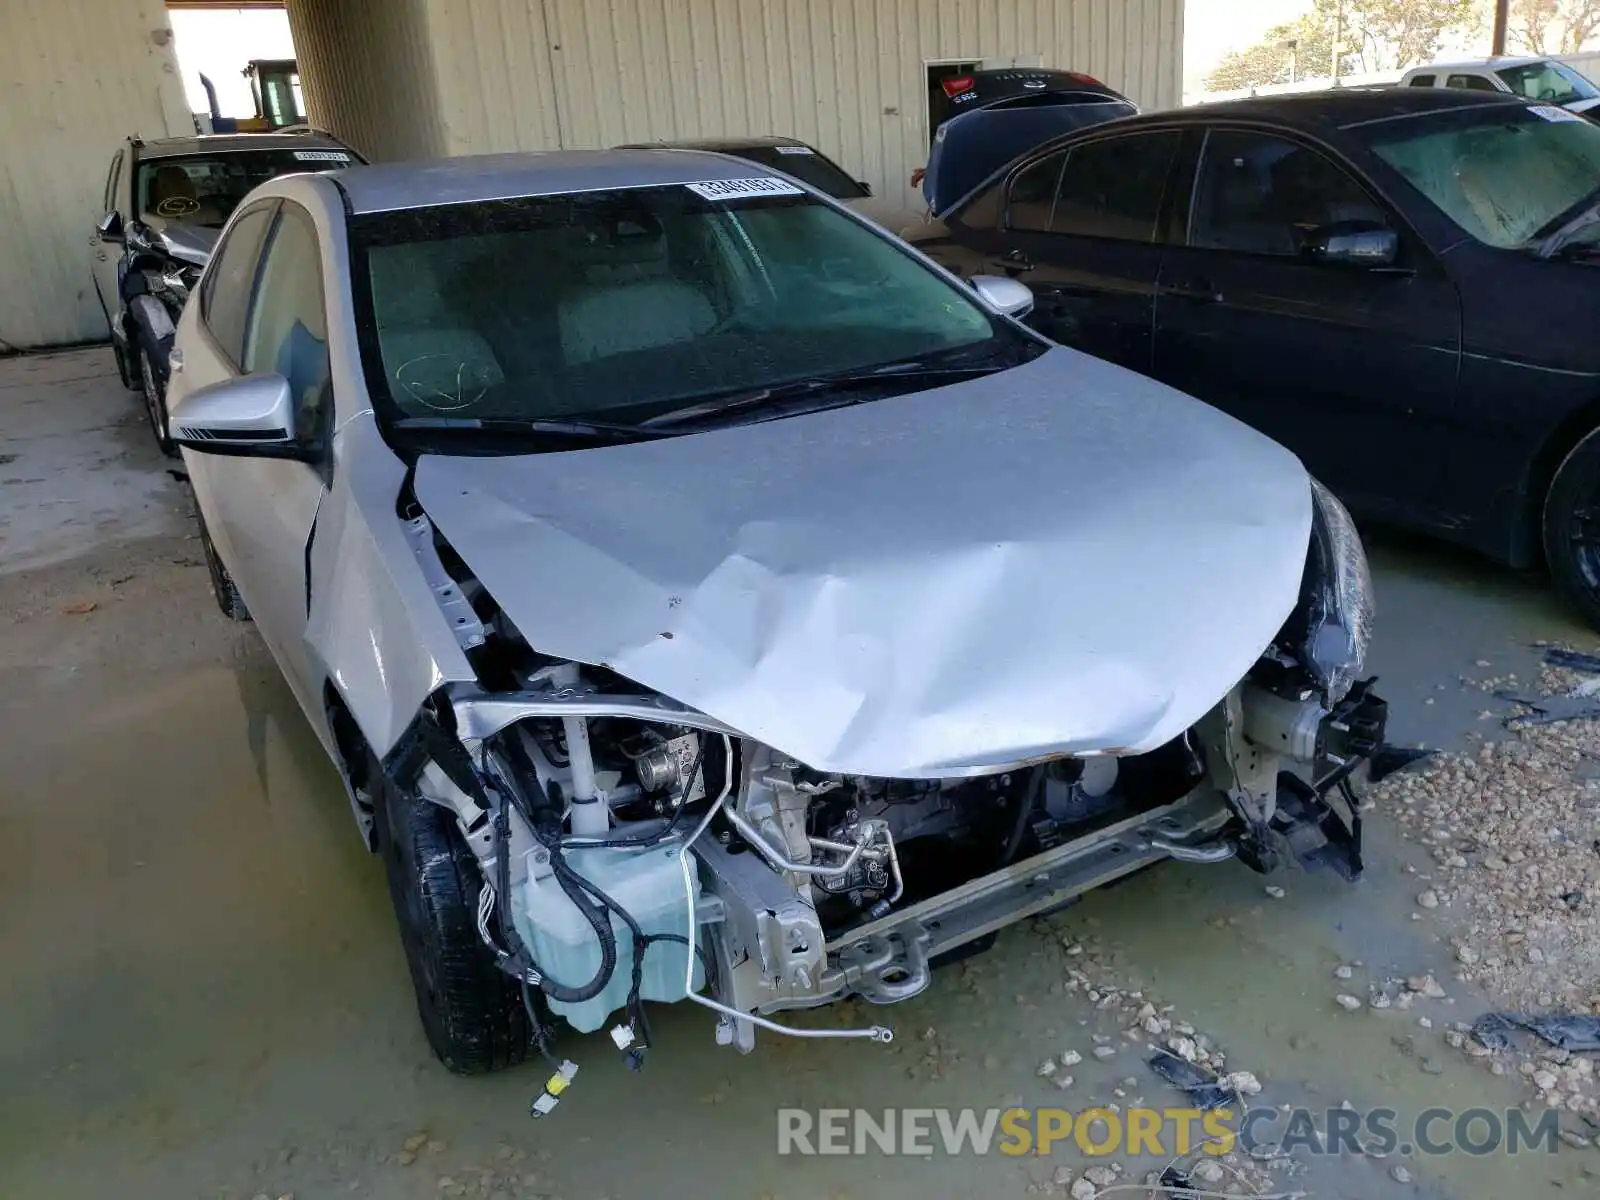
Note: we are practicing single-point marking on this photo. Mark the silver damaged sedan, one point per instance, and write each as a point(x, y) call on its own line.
point(706, 598)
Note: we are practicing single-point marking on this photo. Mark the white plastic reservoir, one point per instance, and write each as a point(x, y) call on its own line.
point(649, 884)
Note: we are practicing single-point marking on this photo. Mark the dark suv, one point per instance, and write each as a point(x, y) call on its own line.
point(165, 203)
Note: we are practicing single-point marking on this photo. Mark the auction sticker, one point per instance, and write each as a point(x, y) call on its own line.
point(1552, 113)
point(321, 156)
point(742, 189)
point(795, 150)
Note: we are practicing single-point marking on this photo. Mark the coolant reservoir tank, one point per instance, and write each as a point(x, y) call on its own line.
point(649, 884)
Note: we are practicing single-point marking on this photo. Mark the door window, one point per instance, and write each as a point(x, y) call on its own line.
point(1033, 194)
point(288, 326)
point(1472, 83)
point(1112, 188)
point(1423, 80)
point(225, 292)
point(1259, 194)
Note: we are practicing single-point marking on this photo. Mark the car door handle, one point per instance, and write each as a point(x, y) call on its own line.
point(1015, 262)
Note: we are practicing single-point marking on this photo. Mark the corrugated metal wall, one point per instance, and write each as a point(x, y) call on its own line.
point(79, 76)
point(368, 72)
point(844, 74)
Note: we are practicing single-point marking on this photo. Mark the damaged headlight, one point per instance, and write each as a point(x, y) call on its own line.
point(1336, 598)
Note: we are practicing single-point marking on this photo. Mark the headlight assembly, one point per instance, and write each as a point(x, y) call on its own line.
point(1337, 595)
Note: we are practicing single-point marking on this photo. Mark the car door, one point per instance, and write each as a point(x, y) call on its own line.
point(266, 508)
point(1352, 368)
point(106, 256)
point(1079, 225)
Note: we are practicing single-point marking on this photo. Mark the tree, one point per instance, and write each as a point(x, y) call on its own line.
point(1552, 26)
point(1373, 35)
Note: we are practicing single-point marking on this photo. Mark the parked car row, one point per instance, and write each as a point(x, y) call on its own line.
point(707, 596)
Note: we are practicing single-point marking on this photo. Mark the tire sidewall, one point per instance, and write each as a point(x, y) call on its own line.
point(1576, 482)
point(153, 372)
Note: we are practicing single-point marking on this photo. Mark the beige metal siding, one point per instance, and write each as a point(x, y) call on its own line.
point(79, 75)
point(846, 75)
point(368, 72)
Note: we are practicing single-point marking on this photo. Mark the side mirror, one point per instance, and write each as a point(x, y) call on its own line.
point(1008, 297)
point(1355, 244)
point(866, 188)
point(252, 416)
point(109, 227)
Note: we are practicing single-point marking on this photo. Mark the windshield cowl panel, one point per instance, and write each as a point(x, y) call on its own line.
point(616, 307)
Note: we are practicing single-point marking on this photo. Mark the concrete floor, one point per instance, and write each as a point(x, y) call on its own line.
point(204, 995)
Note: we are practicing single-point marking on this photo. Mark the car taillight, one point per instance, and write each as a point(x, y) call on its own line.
point(961, 83)
point(1080, 77)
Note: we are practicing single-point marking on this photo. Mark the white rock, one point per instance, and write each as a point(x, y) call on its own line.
point(1428, 899)
point(1183, 1047)
point(1466, 956)
point(1207, 1171)
point(1347, 1002)
point(1343, 972)
point(1082, 1189)
point(1104, 1052)
point(1544, 1080)
point(1276, 892)
point(1399, 1174)
point(1047, 1067)
point(1061, 1176)
point(1070, 1058)
point(1244, 1082)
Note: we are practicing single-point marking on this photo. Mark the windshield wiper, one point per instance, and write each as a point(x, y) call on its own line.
point(1552, 245)
point(555, 429)
point(756, 398)
point(1550, 236)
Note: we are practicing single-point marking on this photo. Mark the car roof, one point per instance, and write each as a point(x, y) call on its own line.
point(400, 185)
point(731, 145)
point(1516, 60)
point(1336, 108)
point(232, 143)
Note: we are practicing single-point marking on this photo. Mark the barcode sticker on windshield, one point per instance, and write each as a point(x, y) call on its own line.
point(1551, 113)
point(742, 189)
point(321, 156)
point(795, 150)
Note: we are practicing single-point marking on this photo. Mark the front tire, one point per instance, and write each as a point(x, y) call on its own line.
point(1572, 527)
point(222, 586)
point(153, 384)
point(471, 1010)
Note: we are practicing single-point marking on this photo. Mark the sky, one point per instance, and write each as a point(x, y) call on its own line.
point(218, 44)
point(1213, 27)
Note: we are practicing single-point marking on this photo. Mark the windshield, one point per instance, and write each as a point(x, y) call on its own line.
point(1505, 175)
point(1551, 82)
point(204, 189)
point(638, 301)
point(806, 165)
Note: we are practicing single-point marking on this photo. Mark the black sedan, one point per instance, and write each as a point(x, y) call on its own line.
point(1400, 285)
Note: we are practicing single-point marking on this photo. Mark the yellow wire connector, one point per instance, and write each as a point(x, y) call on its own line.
point(558, 1083)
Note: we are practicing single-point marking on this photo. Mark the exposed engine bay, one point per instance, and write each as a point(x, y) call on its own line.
point(633, 848)
point(636, 850)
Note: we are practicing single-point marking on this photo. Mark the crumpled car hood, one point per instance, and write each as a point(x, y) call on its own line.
point(1057, 559)
point(191, 243)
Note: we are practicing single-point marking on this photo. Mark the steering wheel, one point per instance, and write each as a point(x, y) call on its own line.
point(177, 206)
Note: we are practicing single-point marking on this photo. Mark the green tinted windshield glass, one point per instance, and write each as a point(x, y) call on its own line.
point(1504, 175)
point(554, 306)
